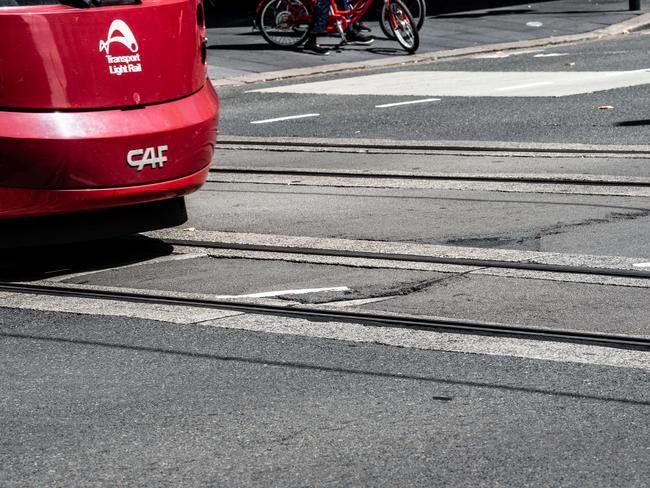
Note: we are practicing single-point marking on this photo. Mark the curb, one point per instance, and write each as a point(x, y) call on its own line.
point(624, 27)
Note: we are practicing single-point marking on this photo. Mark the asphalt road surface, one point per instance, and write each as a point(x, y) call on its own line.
point(525, 215)
point(105, 401)
point(465, 99)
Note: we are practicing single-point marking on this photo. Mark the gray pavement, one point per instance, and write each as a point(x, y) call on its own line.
point(537, 222)
point(465, 115)
point(102, 392)
point(111, 401)
point(236, 51)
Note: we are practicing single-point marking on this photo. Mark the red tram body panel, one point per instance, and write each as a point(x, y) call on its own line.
point(102, 106)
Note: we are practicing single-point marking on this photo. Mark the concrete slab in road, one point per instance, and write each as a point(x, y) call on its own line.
point(472, 84)
point(392, 161)
point(537, 222)
point(243, 278)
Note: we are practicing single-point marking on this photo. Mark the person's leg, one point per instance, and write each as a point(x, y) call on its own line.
point(357, 26)
point(321, 13)
point(318, 25)
point(353, 34)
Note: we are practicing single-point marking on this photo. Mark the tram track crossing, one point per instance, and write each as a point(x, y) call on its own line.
point(552, 177)
point(331, 313)
point(587, 180)
point(411, 258)
point(400, 146)
point(324, 314)
point(327, 314)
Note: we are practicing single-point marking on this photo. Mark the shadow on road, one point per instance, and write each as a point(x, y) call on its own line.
point(633, 123)
point(38, 263)
point(304, 366)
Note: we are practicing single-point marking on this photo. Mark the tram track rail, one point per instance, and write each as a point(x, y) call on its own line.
point(390, 146)
point(323, 314)
point(413, 258)
point(574, 180)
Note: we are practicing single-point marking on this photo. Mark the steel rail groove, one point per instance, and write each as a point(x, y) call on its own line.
point(236, 142)
point(479, 263)
point(432, 177)
point(327, 315)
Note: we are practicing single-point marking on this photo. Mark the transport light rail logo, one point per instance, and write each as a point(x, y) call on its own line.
point(119, 32)
point(151, 156)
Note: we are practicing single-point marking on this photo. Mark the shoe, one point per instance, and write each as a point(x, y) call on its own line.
point(361, 27)
point(313, 46)
point(358, 38)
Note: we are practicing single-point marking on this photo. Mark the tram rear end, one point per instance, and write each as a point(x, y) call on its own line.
point(107, 118)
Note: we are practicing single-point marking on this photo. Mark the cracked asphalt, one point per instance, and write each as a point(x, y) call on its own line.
point(533, 221)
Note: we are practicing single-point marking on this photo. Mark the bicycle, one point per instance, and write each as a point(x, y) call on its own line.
point(285, 23)
point(417, 9)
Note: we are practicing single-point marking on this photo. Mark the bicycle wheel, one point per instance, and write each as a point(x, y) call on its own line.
point(417, 9)
point(403, 26)
point(284, 23)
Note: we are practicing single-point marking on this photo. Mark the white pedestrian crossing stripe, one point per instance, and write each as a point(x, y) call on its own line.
point(472, 83)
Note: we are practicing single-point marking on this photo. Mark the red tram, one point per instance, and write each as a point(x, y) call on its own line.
point(107, 117)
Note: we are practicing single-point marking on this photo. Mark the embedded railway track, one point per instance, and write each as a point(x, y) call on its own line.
point(399, 146)
point(628, 182)
point(519, 180)
point(413, 258)
point(329, 314)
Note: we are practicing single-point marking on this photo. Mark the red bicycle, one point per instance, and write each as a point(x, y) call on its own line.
point(285, 23)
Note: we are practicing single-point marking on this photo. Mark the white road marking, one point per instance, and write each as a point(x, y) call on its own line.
point(412, 102)
point(534, 24)
point(270, 294)
point(642, 265)
point(501, 54)
point(528, 85)
point(280, 119)
point(427, 84)
point(550, 55)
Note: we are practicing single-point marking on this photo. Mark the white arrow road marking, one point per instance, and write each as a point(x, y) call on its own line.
point(280, 119)
point(412, 102)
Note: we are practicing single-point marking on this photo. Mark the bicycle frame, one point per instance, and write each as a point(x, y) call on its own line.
point(339, 19)
point(286, 23)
